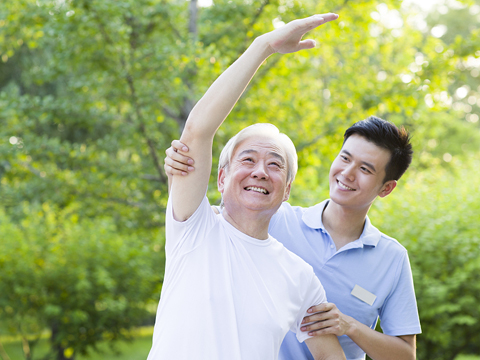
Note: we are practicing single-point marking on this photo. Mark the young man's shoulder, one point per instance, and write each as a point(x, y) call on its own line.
point(288, 208)
point(391, 242)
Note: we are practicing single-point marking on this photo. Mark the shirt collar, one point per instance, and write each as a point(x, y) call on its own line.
point(312, 217)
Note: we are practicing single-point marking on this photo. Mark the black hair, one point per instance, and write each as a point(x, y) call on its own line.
point(388, 136)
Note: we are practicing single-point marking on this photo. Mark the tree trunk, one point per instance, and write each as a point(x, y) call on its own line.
point(57, 348)
point(3, 353)
point(26, 348)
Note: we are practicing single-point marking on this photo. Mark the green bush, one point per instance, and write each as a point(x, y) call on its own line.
point(435, 214)
point(81, 279)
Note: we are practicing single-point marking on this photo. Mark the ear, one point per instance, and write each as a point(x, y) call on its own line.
point(387, 188)
point(221, 180)
point(287, 192)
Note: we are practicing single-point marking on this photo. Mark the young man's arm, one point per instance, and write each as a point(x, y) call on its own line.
point(208, 114)
point(328, 320)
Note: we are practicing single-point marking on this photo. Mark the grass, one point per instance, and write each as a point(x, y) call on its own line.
point(135, 350)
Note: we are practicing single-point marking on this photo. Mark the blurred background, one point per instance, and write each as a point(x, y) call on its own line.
point(93, 91)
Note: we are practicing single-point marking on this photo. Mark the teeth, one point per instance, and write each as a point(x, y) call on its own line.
point(343, 186)
point(256, 189)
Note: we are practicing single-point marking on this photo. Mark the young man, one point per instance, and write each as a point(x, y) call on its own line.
point(231, 291)
point(365, 273)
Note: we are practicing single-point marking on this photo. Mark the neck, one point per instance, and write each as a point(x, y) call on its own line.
point(343, 224)
point(253, 224)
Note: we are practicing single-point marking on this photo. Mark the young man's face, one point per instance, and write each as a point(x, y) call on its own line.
point(357, 174)
point(256, 176)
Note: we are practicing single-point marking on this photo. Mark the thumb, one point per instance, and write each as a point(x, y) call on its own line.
point(306, 44)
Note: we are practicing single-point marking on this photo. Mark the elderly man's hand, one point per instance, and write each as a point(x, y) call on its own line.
point(288, 38)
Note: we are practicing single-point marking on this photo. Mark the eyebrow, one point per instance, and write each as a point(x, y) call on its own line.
point(370, 165)
point(272, 153)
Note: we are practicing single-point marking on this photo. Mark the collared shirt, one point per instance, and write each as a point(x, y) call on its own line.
point(375, 265)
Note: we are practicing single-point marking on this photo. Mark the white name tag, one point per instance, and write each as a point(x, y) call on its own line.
point(364, 295)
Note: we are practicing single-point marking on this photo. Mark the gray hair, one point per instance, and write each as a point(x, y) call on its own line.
point(268, 130)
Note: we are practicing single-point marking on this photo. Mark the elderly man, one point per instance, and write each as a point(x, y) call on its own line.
point(231, 291)
point(365, 273)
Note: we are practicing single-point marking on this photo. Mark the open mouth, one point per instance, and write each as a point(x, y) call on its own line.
point(257, 189)
point(343, 186)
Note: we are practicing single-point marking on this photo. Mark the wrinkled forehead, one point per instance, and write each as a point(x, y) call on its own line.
point(265, 145)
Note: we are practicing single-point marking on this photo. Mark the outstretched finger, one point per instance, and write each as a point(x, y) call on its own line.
point(316, 20)
point(328, 17)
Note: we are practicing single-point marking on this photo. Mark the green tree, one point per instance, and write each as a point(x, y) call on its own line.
point(92, 91)
point(436, 217)
point(79, 278)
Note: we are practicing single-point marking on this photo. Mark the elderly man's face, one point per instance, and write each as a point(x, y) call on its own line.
point(256, 176)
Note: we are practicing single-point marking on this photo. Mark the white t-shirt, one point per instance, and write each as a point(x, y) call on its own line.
point(227, 295)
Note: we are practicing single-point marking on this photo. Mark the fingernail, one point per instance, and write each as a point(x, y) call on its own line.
point(184, 148)
point(190, 161)
point(184, 173)
point(309, 310)
point(191, 168)
point(303, 328)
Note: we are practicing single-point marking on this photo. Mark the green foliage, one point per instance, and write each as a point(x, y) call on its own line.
point(435, 215)
point(80, 278)
point(93, 91)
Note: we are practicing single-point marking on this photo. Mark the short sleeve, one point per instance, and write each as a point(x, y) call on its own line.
point(184, 236)
point(315, 295)
point(399, 314)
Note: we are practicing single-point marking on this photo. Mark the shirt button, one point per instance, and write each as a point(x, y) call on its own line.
point(332, 246)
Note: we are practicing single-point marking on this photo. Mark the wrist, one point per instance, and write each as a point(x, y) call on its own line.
point(352, 328)
point(264, 46)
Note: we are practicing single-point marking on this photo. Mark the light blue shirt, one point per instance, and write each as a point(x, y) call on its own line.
point(375, 262)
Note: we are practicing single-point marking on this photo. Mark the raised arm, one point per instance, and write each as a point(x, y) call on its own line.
point(211, 110)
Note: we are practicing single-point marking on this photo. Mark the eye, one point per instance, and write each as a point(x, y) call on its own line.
point(274, 163)
point(344, 158)
point(365, 169)
point(247, 159)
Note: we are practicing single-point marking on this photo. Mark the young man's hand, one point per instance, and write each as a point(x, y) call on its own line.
point(327, 319)
point(176, 163)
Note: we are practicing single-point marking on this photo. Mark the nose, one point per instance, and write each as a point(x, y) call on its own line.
point(260, 171)
point(348, 173)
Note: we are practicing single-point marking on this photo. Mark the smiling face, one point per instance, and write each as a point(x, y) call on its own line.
point(357, 174)
point(256, 177)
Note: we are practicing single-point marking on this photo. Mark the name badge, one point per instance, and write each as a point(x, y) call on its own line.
point(364, 295)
